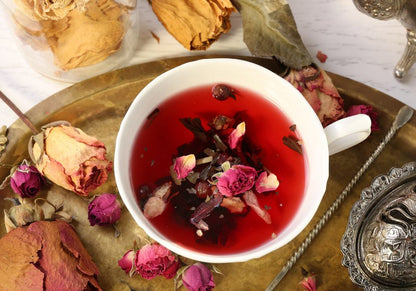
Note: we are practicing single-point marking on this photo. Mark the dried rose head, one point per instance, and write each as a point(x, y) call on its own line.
point(46, 255)
point(104, 210)
point(236, 180)
point(70, 158)
point(26, 181)
point(320, 92)
point(198, 277)
point(153, 260)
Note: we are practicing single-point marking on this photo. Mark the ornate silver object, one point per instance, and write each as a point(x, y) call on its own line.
point(379, 244)
point(405, 12)
point(403, 116)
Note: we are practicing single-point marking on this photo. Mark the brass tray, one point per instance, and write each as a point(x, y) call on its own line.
point(98, 105)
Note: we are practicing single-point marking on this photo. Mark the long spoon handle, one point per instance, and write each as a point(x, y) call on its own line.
point(403, 116)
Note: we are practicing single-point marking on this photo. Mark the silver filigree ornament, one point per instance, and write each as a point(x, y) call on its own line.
point(379, 243)
point(405, 12)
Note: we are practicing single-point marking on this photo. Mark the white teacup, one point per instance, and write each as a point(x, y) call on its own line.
point(318, 143)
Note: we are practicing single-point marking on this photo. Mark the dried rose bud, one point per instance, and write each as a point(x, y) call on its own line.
point(183, 165)
point(46, 255)
point(308, 283)
point(127, 262)
point(236, 135)
point(266, 182)
point(104, 210)
point(153, 260)
point(222, 92)
point(70, 158)
point(198, 277)
point(365, 109)
point(26, 181)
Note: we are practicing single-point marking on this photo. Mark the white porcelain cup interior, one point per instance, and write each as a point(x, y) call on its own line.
point(242, 74)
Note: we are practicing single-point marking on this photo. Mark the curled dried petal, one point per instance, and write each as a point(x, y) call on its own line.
point(236, 135)
point(183, 165)
point(266, 182)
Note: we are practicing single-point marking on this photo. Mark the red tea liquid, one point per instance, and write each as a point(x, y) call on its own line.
point(156, 147)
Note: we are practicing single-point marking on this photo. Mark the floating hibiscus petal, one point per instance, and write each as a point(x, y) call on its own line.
point(184, 165)
point(266, 182)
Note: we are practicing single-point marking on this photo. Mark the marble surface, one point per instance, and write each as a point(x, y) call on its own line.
point(358, 47)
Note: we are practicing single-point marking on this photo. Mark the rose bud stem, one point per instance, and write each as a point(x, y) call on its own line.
point(19, 113)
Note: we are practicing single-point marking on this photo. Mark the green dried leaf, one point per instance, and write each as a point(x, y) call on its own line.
point(270, 30)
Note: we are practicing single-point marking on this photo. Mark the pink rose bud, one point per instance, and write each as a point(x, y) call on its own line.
point(236, 135)
point(309, 282)
point(266, 182)
point(184, 165)
point(26, 181)
point(70, 158)
point(153, 260)
point(104, 210)
point(236, 180)
point(198, 277)
point(364, 109)
point(127, 261)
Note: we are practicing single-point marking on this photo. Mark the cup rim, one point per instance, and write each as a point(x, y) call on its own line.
point(127, 194)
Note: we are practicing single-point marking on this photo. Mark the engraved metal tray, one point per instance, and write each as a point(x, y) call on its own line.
point(98, 105)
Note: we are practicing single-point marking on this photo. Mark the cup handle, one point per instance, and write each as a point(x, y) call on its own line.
point(347, 132)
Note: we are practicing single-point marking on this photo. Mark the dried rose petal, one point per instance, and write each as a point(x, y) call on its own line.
point(321, 56)
point(154, 259)
point(46, 255)
point(236, 135)
point(183, 165)
point(251, 200)
point(266, 182)
point(234, 204)
point(127, 261)
point(26, 181)
point(104, 210)
point(236, 180)
point(365, 109)
point(70, 158)
point(198, 277)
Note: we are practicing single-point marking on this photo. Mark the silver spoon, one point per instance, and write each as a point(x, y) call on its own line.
point(403, 116)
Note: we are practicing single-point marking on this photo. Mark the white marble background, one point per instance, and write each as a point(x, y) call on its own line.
point(358, 47)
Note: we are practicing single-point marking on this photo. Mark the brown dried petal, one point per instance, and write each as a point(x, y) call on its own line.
point(196, 24)
point(45, 255)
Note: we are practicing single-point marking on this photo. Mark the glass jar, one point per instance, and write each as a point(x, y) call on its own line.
point(72, 40)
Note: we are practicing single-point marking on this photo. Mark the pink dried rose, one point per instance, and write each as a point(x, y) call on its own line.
point(153, 260)
point(26, 181)
point(197, 278)
point(183, 165)
point(70, 158)
point(236, 135)
point(236, 180)
point(127, 262)
point(104, 210)
point(308, 283)
point(266, 182)
point(46, 255)
point(365, 109)
point(317, 88)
